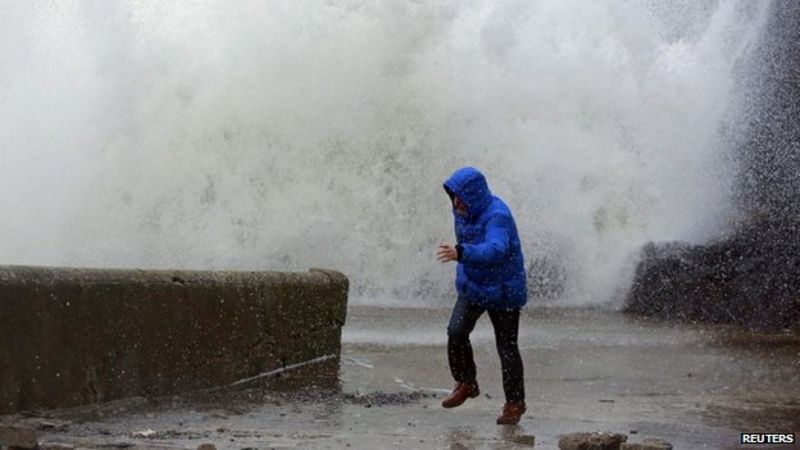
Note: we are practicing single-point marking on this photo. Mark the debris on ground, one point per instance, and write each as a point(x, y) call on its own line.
point(592, 441)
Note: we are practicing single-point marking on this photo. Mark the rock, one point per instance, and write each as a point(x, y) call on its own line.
point(592, 441)
point(54, 446)
point(40, 424)
point(11, 436)
point(148, 433)
point(206, 447)
point(648, 444)
point(746, 280)
point(750, 275)
point(524, 440)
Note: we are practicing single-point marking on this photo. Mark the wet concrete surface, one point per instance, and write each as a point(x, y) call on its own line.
point(696, 386)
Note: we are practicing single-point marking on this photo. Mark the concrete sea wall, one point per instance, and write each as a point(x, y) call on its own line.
point(77, 336)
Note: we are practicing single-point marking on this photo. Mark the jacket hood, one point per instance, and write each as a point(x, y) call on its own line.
point(469, 184)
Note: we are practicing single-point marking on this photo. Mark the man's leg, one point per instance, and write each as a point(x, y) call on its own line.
point(459, 349)
point(459, 353)
point(506, 330)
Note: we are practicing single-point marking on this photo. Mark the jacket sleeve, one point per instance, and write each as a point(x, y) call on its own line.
point(494, 247)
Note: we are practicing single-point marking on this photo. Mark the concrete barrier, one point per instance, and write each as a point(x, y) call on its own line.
point(77, 336)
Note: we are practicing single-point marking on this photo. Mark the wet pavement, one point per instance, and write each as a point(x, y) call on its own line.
point(696, 386)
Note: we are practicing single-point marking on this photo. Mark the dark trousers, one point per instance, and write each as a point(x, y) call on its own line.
point(506, 329)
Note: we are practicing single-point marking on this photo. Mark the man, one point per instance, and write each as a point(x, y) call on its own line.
point(490, 276)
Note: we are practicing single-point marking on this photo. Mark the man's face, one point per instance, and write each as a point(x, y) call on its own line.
point(461, 208)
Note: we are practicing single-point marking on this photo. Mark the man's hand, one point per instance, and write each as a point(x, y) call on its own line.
point(447, 253)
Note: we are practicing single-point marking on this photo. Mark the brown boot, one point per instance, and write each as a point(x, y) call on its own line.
point(512, 412)
point(460, 394)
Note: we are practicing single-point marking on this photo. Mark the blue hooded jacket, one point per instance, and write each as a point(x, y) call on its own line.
point(491, 269)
